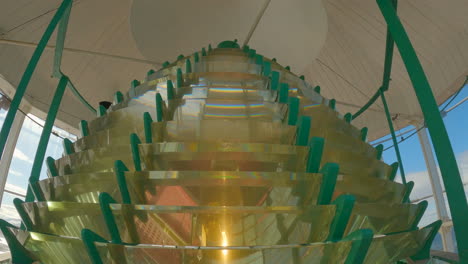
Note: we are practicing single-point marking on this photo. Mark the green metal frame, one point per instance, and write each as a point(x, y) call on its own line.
point(443, 148)
point(105, 200)
point(344, 207)
point(24, 82)
point(19, 254)
point(394, 138)
point(45, 136)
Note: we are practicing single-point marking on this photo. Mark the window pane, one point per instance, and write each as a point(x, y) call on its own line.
point(25, 151)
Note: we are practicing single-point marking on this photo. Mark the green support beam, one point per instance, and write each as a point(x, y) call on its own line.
point(104, 203)
point(134, 142)
point(84, 128)
point(394, 138)
point(315, 154)
point(330, 173)
point(26, 78)
point(119, 170)
point(443, 148)
point(147, 121)
point(45, 136)
point(344, 207)
point(19, 254)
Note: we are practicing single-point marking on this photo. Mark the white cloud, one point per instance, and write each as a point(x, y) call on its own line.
point(15, 173)
point(20, 155)
point(422, 184)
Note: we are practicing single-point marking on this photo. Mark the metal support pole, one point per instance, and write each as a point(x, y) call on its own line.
point(443, 148)
point(9, 150)
point(45, 136)
point(394, 139)
point(447, 238)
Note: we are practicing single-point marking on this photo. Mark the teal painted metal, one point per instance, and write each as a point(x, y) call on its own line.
point(165, 64)
point(317, 89)
point(209, 47)
point(101, 111)
point(315, 154)
point(104, 203)
point(332, 104)
point(446, 158)
point(119, 170)
point(50, 163)
point(188, 66)
point(149, 73)
point(24, 82)
point(303, 130)
point(425, 251)
point(379, 149)
point(367, 105)
point(274, 59)
point(394, 138)
point(422, 208)
point(409, 188)
point(23, 214)
point(118, 97)
point(89, 238)
point(181, 56)
point(288, 68)
point(302, 77)
point(19, 254)
point(266, 70)
point(68, 147)
point(389, 46)
point(134, 84)
point(180, 79)
point(246, 48)
point(258, 59)
point(344, 207)
point(147, 121)
point(134, 142)
point(60, 42)
point(56, 71)
point(45, 135)
point(293, 110)
point(348, 117)
point(170, 90)
point(203, 52)
point(159, 108)
point(274, 83)
point(361, 242)
point(228, 44)
point(364, 132)
point(283, 93)
point(394, 171)
point(252, 53)
point(196, 57)
point(84, 128)
point(327, 188)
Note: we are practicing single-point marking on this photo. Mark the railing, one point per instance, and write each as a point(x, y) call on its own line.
point(395, 35)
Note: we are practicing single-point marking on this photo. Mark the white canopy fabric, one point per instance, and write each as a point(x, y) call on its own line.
point(337, 44)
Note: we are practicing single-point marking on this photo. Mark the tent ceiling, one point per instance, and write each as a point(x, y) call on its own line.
point(337, 44)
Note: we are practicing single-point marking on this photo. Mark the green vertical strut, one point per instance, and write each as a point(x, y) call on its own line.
point(394, 139)
point(61, 34)
point(23, 84)
point(118, 97)
point(42, 147)
point(84, 128)
point(446, 158)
